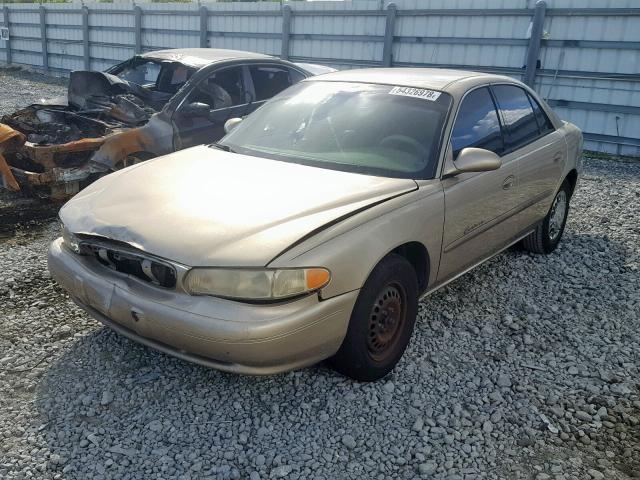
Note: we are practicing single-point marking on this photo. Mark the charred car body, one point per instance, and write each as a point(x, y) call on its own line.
point(147, 106)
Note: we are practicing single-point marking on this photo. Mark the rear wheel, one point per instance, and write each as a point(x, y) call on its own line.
point(548, 233)
point(381, 322)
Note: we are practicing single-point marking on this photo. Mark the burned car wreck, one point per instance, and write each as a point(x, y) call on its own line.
point(52, 145)
point(149, 105)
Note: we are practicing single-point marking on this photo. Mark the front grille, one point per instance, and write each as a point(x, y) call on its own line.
point(147, 269)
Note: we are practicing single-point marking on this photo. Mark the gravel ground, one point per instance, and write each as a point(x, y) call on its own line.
point(526, 368)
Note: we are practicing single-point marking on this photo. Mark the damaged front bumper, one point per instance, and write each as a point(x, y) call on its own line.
point(222, 334)
point(47, 163)
point(63, 169)
point(63, 182)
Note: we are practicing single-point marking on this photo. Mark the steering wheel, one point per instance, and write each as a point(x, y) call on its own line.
point(406, 144)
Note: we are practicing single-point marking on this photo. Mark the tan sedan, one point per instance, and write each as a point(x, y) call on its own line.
point(313, 228)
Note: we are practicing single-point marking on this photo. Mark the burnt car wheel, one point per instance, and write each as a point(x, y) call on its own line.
point(381, 322)
point(547, 235)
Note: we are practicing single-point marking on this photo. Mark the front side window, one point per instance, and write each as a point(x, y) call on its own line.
point(477, 124)
point(173, 76)
point(268, 80)
point(221, 89)
point(519, 120)
point(359, 127)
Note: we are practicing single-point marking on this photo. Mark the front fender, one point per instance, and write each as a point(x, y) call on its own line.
point(351, 249)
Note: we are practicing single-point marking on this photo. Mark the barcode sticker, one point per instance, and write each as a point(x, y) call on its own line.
point(415, 92)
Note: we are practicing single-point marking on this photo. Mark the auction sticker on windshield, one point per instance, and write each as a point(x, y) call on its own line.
point(415, 92)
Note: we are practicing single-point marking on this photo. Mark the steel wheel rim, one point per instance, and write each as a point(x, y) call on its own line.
point(386, 320)
point(557, 214)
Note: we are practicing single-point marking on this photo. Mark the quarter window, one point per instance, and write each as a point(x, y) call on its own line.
point(518, 117)
point(544, 124)
point(271, 80)
point(477, 124)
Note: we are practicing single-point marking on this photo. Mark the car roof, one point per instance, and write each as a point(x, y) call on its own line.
point(430, 78)
point(200, 57)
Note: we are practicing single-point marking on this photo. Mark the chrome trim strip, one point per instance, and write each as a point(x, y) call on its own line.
point(438, 286)
point(497, 220)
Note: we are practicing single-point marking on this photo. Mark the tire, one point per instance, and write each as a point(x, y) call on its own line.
point(371, 349)
point(546, 237)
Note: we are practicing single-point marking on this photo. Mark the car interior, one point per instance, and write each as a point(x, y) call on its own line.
point(269, 81)
point(221, 89)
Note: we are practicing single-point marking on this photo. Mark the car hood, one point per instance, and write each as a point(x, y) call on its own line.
point(203, 206)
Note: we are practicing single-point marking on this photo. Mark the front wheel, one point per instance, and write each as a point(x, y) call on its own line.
point(381, 322)
point(548, 233)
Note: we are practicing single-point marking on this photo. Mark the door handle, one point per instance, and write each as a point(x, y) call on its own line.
point(508, 182)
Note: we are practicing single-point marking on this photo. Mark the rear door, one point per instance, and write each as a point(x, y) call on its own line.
point(478, 206)
point(535, 146)
point(224, 91)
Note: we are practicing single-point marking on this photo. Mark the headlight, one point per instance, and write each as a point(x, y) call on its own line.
point(69, 240)
point(250, 284)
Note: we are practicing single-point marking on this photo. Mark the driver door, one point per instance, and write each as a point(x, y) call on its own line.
point(225, 93)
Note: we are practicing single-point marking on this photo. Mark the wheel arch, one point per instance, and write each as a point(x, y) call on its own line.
point(156, 137)
point(572, 180)
point(418, 256)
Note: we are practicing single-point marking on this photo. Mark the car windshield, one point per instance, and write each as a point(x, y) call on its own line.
point(142, 72)
point(374, 129)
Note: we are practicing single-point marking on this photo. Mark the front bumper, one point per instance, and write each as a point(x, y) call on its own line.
point(217, 333)
point(14, 178)
point(51, 161)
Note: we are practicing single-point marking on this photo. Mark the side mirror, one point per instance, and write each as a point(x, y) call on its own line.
point(231, 124)
point(473, 160)
point(197, 109)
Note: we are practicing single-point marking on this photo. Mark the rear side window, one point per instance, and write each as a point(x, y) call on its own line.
point(544, 124)
point(477, 124)
point(517, 114)
point(271, 80)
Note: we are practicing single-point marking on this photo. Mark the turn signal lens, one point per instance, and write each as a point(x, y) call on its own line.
point(317, 278)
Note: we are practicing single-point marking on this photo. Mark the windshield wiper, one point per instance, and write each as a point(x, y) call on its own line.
point(223, 147)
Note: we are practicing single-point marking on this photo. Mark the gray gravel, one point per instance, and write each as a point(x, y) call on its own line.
point(526, 368)
point(20, 88)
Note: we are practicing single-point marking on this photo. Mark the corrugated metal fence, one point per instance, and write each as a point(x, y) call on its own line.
point(587, 52)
